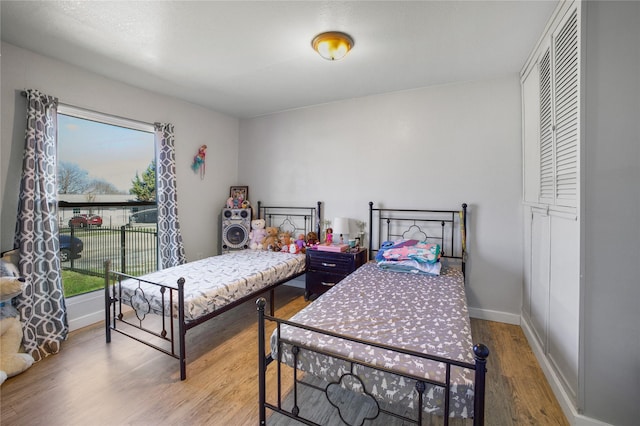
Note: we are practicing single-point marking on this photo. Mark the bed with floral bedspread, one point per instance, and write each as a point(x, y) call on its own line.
point(158, 309)
point(212, 283)
point(394, 337)
point(422, 313)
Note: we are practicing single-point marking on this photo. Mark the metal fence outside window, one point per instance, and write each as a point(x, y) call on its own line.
point(132, 250)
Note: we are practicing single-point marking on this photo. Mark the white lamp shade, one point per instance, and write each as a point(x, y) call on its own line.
point(341, 226)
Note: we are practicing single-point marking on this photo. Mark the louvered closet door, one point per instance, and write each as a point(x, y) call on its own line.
point(547, 170)
point(565, 66)
point(558, 68)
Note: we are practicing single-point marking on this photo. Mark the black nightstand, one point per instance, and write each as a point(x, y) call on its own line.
point(325, 268)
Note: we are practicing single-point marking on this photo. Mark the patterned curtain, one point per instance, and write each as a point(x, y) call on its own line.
point(41, 305)
point(171, 249)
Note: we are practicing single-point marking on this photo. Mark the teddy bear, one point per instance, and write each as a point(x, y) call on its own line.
point(12, 362)
point(257, 234)
point(270, 242)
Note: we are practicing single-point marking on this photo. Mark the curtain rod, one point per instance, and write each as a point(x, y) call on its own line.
point(117, 117)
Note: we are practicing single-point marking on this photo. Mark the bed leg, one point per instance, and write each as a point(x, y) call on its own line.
point(183, 360)
point(182, 330)
point(272, 302)
point(261, 302)
point(107, 302)
point(481, 353)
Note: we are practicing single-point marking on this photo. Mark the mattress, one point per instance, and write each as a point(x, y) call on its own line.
point(211, 283)
point(422, 313)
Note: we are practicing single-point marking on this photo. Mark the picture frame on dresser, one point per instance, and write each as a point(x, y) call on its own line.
point(239, 192)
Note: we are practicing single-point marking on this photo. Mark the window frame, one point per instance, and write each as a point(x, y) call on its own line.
point(113, 120)
point(87, 308)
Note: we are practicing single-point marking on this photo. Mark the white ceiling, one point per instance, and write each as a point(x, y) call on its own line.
point(249, 58)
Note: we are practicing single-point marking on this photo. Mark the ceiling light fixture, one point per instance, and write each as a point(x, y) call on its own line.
point(332, 45)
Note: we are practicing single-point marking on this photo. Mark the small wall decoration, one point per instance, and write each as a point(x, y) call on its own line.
point(199, 161)
point(238, 197)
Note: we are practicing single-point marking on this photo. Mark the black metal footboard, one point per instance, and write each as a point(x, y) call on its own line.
point(164, 328)
point(401, 414)
point(160, 327)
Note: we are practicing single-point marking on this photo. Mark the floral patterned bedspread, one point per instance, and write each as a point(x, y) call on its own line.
point(213, 282)
point(422, 313)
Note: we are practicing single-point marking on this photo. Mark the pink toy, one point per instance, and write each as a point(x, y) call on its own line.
point(329, 236)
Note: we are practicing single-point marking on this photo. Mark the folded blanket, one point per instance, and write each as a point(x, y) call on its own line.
point(412, 256)
point(411, 266)
point(419, 251)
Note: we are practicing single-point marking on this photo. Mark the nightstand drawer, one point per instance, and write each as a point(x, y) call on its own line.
point(338, 264)
point(325, 279)
point(319, 282)
point(325, 269)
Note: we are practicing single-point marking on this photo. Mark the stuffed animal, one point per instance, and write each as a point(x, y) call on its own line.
point(12, 362)
point(230, 203)
point(312, 239)
point(270, 242)
point(257, 234)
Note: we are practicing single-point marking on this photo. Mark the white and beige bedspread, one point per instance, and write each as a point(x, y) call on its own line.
point(422, 313)
point(212, 283)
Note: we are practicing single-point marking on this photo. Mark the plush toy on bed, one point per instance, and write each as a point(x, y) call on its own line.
point(312, 239)
point(300, 244)
point(12, 362)
point(257, 234)
point(270, 242)
point(285, 240)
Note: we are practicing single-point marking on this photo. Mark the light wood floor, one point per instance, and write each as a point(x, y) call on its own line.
point(93, 383)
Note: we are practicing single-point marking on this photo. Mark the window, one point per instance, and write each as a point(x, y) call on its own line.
point(106, 179)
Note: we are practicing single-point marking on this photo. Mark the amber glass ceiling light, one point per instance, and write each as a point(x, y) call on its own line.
point(333, 45)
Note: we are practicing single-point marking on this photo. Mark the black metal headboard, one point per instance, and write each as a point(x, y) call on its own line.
point(296, 220)
point(444, 227)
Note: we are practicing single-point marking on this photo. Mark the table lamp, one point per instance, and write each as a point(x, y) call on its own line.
point(341, 226)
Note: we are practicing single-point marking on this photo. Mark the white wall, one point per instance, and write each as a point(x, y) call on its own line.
point(428, 148)
point(200, 201)
point(433, 147)
point(611, 222)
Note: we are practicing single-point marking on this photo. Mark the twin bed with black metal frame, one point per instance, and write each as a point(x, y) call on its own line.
point(382, 345)
point(159, 308)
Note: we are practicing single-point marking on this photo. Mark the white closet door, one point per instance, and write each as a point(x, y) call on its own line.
point(565, 94)
point(526, 289)
point(564, 300)
point(558, 68)
point(547, 170)
point(540, 275)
